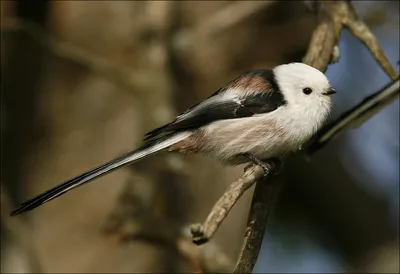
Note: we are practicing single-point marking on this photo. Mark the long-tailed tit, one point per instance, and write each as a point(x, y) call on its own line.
point(260, 115)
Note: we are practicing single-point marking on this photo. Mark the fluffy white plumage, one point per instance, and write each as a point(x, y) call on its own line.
point(278, 132)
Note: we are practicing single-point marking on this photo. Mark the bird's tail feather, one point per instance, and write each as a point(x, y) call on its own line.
point(146, 150)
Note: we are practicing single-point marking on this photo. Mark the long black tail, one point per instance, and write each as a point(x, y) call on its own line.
point(140, 153)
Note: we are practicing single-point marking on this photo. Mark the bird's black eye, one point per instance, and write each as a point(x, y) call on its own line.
point(307, 90)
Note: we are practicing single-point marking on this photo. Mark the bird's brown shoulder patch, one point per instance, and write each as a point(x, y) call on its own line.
point(253, 83)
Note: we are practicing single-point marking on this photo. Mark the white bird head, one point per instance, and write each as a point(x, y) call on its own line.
point(303, 84)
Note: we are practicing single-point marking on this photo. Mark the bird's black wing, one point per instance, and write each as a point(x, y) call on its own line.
point(234, 101)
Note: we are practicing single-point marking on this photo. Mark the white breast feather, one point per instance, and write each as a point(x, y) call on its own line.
point(265, 135)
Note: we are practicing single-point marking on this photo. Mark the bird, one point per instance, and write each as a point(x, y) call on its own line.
point(262, 114)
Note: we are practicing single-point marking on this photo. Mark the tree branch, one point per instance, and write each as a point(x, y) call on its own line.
point(203, 232)
point(325, 37)
point(364, 34)
point(229, 16)
point(256, 225)
point(118, 73)
point(225, 18)
point(333, 17)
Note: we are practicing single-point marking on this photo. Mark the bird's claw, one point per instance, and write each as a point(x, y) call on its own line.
point(273, 164)
point(198, 236)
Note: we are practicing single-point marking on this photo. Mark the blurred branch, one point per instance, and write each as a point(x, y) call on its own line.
point(364, 34)
point(256, 225)
point(19, 233)
point(325, 37)
point(227, 17)
point(207, 258)
point(133, 219)
point(138, 215)
point(118, 73)
point(333, 17)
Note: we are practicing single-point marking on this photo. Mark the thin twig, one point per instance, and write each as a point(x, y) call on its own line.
point(227, 17)
point(259, 211)
point(203, 232)
point(333, 17)
point(323, 43)
point(230, 15)
point(118, 73)
point(365, 35)
point(256, 225)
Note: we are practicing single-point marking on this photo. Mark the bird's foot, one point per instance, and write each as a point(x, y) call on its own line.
point(270, 166)
point(198, 235)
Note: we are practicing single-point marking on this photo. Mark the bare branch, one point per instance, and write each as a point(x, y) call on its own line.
point(364, 34)
point(203, 232)
point(262, 199)
point(230, 15)
point(256, 225)
point(118, 73)
point(333, 16)
point(225, 18)
point(324, 39)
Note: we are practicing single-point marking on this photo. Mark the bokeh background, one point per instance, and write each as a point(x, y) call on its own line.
point(82, 81)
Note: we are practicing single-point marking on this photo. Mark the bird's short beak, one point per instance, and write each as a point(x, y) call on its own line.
point(330, 91)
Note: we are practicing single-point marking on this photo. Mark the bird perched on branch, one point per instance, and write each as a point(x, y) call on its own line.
point(262, 114)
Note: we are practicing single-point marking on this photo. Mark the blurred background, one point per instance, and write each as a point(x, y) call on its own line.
point(82, 81)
